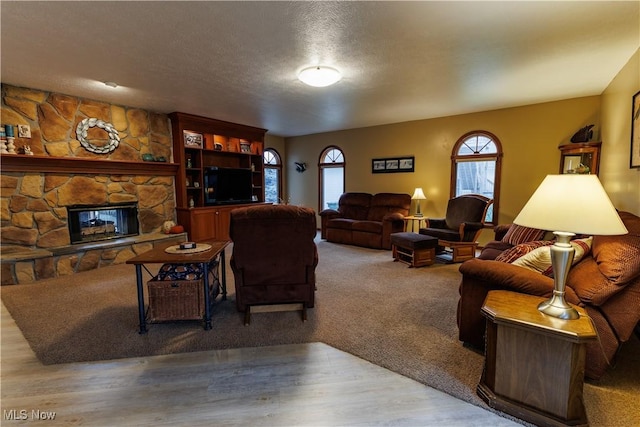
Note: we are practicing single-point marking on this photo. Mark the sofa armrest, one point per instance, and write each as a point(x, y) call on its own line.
point(512, 277)
point(394, 216)
point(325, 216)
point(329, 212)
point(472, 226)
point(481, 276)
point(500, 231)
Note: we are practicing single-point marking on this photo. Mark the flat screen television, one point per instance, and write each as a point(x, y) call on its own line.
point(227, 185)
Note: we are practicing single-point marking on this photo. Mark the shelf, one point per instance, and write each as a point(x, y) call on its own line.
point(77, 165)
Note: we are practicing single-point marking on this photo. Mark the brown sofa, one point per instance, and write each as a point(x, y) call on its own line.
point(606, 282)
point(274, 255)
point(363, 219)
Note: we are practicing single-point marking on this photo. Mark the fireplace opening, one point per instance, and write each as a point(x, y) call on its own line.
point(95, 223)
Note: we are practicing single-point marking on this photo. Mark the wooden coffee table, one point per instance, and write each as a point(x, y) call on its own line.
point(158, 255)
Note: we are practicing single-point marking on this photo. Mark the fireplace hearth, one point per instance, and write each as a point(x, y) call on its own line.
point(104, 222)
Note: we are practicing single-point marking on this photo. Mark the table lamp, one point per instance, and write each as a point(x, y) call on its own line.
point(568, 204)
point(418, 195)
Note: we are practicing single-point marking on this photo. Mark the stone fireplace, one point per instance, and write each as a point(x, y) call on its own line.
point(41, 194)
point(94, 223)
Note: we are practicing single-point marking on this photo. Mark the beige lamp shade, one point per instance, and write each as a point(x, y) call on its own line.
point(418, 194)
point(571, 203)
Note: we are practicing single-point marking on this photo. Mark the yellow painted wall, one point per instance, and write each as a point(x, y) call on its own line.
point(620, 181)
point(530, 136)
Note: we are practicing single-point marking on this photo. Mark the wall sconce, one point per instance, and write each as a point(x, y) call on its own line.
point(301, 166)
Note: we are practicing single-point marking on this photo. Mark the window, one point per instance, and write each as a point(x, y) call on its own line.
point(331, 179)
point(272, 176)
point(475, 168)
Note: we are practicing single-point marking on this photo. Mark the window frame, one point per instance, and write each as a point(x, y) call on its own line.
point(497, 157)
point(322, 165)
point(277, 166)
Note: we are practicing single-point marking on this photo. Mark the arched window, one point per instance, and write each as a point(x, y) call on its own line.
point(331, 177)
point(476, 163)
point(272, 176)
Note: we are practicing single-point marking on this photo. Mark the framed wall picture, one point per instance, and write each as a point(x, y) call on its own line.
point(192, 139)
point(406, 164)
point(635, 132)
point(393, 164)
point(378, 165)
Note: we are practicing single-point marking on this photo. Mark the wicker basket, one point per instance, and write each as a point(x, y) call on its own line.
point(175, 300)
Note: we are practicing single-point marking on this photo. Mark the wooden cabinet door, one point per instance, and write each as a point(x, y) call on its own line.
point(223, 222)
point(203, 225)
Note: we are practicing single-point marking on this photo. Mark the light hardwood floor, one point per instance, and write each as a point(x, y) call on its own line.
point(290, 385)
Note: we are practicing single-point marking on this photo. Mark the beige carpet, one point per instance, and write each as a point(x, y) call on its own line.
point(399, 318)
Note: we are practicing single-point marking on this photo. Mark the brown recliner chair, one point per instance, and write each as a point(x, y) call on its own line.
point(274, 257)
point(460, 228)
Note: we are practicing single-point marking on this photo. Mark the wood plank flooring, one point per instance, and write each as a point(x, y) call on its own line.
point(291, 385)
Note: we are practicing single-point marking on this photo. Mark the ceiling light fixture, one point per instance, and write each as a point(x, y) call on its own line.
point(111, 84)
point(319, 76)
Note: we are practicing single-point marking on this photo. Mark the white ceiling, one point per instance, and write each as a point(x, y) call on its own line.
point(238, 61)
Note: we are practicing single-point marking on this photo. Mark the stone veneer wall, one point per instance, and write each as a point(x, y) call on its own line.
point(33, 205)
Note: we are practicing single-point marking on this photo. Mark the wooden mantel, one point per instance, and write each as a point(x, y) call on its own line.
point(77, 165)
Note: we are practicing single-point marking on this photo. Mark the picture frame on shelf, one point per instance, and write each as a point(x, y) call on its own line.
point(571, 163)
point(393, 164)
point(193, 140)
point(634, 160)
point(245, 147)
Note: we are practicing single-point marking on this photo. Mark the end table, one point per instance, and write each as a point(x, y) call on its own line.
point(534, 363)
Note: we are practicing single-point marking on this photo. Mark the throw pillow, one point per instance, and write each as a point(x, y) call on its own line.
point(518, 234)
point(540, 259)
point(520, 250)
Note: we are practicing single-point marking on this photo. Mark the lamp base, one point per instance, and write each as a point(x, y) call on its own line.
point(556, 306)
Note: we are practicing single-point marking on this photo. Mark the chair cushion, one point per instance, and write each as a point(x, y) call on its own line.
point(441, 233)
point(413, 241)
point(367, 226)
point(386, 203)
point(341, 223)
point(354, 205)
point(464, 209)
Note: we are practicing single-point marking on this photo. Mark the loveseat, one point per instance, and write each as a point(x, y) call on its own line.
point(363, 219)
point(606, 282)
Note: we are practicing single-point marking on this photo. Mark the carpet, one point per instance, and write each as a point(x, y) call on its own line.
point(399, 318)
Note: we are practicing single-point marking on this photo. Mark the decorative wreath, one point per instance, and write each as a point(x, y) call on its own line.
point(81, 134)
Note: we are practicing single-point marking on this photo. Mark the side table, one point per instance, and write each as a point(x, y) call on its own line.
point(534, 363)
point(412, 219)
point(158, 255)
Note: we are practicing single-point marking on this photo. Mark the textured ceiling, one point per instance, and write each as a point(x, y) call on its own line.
point(238, 61)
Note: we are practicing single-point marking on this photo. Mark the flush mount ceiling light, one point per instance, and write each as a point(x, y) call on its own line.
point(319, 76)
